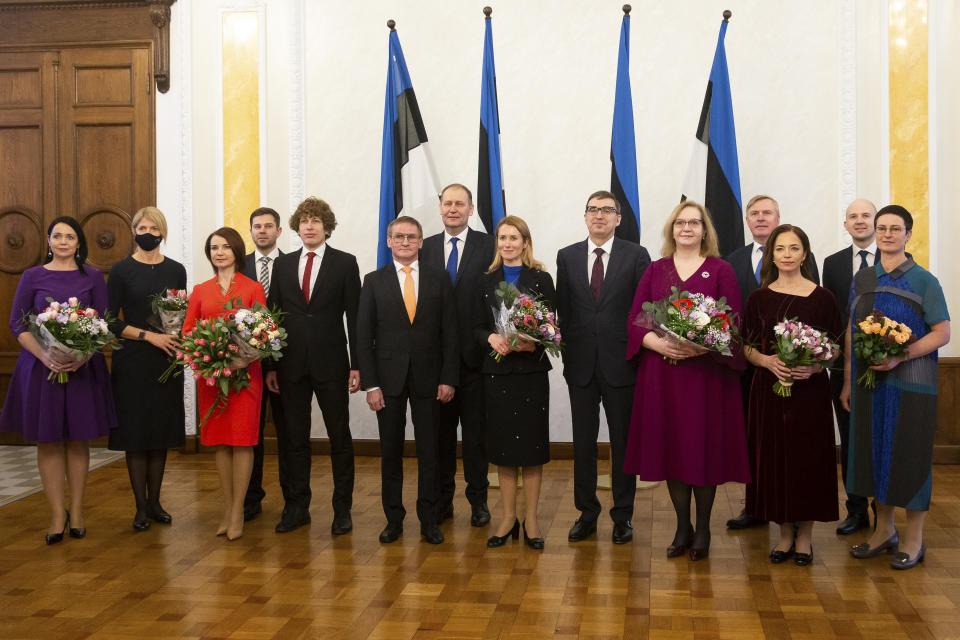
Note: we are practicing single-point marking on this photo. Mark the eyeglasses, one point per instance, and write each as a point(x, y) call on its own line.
point(405, 237)
point(607, 211)
point(693, 224)
point(893, 230)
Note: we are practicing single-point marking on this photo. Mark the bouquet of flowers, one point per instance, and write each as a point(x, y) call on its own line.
point(877, 338)
point(208, 351)
point(256, 332)
point(695, 317)
point(69, 331)
point(170, 309)
point(798, 344)
point(521, 317)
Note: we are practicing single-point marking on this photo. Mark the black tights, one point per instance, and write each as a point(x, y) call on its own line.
point(680, 496)
point(146, 474)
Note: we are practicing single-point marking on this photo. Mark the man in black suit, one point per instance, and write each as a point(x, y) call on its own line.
point(838, 271)
point(596, 281)
point(464, 253)
point(763, 216)
point(265, 230)
point(315, 287)
point(408, 349)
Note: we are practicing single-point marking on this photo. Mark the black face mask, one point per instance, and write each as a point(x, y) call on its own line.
point(148, 241)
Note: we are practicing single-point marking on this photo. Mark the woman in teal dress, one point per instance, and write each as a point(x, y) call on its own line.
point(892, 426)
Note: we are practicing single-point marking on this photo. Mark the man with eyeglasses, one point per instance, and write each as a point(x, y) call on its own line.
point(596, 281)
point(408, 350)
point(763, 216)
point(464, 253)
point(838, 271)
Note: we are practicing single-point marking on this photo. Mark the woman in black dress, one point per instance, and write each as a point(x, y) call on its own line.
point(149, 412)
point(516, 389)
point(795, 476)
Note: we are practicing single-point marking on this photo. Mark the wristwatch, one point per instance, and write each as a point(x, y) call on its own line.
point(142, 336)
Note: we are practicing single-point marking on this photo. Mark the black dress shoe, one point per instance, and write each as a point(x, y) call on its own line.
point(445, 513)
point(777, 555)
point(902, 561)
point(54, 538)
point(537, 543)
point(431, 533)
point(743, 521)
point(479, 515)
point(158, 515)
point(863, 551)
point(391, 532)
point(677, 549)
point(622, 532)
point(499, 541)
point(140, 521)
point(803, 559)
point(251, 511)
point(342, 523)
point(853, 523)
point(582, 529)
point(292, 519)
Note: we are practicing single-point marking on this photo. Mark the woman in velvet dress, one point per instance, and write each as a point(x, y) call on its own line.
point(149, 412)
point(795, 478)
point(687, 421)
point(892, 426)
point(516, 389)
point(233, 429)
point(60, 418)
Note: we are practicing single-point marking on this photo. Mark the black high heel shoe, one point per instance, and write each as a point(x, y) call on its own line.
point(902, 561)
point(863, 551)
point(158, 515)
point(533, 543)
point(699, 553)
point(777, 556)
point(803, 559)
point(676, 550)
point(54, 538)
point(499, 541)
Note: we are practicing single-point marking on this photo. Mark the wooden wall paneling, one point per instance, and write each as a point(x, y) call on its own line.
point(946, 448)
point(28, 189)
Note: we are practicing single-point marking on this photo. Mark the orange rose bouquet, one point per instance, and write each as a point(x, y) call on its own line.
point(876, 338)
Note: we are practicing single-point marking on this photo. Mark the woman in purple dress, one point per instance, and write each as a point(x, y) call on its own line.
point(687, 421)
point(61, 418)
point(795, 473)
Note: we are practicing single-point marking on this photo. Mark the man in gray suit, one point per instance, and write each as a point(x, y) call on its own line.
point(596, 282)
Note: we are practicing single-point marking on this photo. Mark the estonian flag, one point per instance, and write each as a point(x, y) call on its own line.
point(408, 179)
point(491, 200)
point(714, 174)
point(623, 147)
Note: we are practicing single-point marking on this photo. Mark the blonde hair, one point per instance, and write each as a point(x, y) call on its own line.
point(757, 198)
point(526, 257)
point(151, 214)
point(708, 245)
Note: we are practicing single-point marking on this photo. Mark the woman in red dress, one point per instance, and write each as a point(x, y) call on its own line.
point(233, 429)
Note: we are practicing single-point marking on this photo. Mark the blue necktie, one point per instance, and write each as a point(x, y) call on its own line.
point(756, 273)
point(452, 261)
point(863, 259)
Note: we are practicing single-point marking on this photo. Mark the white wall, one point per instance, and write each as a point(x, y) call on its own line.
point(556, 66)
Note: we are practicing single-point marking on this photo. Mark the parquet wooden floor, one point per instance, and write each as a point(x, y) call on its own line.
point(181, 581)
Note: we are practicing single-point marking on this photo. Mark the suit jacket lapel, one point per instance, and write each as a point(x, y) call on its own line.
point(322, 270)
point(395, 289)
point(469, 251)
point(614, 265)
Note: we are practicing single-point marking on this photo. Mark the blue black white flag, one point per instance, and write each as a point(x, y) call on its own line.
point(623, 146)
point(408, 178)
point(713, 177)
point(491, 200)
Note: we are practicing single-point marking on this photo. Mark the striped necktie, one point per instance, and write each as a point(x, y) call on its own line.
point(265, 274)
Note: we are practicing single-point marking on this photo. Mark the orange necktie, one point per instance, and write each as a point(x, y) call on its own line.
point(409, 293)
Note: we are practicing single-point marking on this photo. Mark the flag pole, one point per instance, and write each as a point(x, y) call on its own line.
point(391, 24)
point(727, 14)
point(626, 9)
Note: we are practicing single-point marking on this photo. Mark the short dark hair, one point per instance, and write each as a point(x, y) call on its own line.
point(457, 185)
point(80, 257)
point(236, 245)
point(314, 208)
point(606, 195)
point(265, 211)
point(405, 220)
point(896, 210)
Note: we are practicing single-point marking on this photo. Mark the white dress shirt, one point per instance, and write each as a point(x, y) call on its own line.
point(315, 267)
point(591, 256)
point(272, 256)
point(414, 273)
point(756, 255)
point(871, 256)
point(448, 246)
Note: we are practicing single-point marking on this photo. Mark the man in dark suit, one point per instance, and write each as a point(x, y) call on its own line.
point(596, 281)
point(763, 216)
point(838, 271)
point(408, 349)
point(265, 230)
point(315, 287)
point(464, 253)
